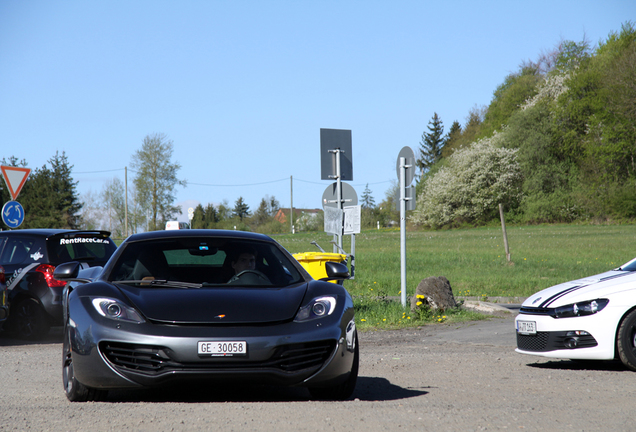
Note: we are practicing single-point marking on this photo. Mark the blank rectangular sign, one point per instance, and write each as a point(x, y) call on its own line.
point(332, 139)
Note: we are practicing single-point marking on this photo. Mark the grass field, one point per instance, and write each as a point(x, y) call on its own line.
point(474, 260)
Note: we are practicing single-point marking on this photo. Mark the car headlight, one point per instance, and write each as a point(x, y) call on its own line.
point(319, 307)
point(116, 310)
point(580, 309)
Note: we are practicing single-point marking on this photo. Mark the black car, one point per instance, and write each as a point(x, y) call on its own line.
point(29, 258)
point(206, 306)
point(4, 298)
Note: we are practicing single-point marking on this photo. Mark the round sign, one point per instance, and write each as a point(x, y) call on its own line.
point(409, 156)
point(12, 214)
point(330, 195)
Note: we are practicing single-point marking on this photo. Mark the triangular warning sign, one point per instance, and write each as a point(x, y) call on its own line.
point(15, 177)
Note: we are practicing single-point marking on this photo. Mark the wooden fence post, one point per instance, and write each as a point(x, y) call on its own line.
point(503, 228)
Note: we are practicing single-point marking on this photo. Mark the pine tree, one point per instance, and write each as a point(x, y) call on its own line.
point(198, 218)
point(241, 209)
point(431, 144)
point(211, 216)
point(367, 198)
point(451, 139)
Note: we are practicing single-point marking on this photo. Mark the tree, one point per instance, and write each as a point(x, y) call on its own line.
point(431, 144)
point(509, 96)
point(367, 199)
point(261, 215)
point(387, 211)
point(451, 138)
point(114, 205)
point(49, 196)
point(198, 218)
point(272, 206)
point(241, 209)
point(223, 211)
point(91, 211)
point(471, 186)
point(211, 216)
point(156, 179)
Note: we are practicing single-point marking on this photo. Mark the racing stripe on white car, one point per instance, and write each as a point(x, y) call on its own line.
point(566, 291)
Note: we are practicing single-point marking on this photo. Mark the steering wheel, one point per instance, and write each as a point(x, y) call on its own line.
point(252, 277)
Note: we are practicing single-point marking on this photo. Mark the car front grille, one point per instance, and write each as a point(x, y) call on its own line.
point(550, 341)
point(153, 360)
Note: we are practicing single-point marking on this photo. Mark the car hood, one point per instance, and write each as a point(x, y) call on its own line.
point(218, 305)
point(587, 288)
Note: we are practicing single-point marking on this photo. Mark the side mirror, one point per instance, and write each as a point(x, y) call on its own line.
point(336, 270)
point(67, 271)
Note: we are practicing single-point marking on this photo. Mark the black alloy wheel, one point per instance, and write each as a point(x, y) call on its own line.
point(626, 340)
point(27, 320)
point(75, 391)
point(341, 391)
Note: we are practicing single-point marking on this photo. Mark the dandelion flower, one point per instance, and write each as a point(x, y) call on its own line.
point(419, 303)
point(363, 320)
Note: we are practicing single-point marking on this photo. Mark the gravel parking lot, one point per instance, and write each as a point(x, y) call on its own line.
point(439, 377)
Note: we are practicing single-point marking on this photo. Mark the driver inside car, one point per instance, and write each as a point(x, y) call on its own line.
point(245, 262)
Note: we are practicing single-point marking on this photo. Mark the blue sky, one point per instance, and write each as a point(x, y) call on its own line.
point(242, 88)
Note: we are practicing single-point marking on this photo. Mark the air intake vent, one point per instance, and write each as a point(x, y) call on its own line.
point(154, 360)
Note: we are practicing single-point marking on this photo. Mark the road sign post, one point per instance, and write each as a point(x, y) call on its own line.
point(15, 177)
point(336, 164)
point(12, 214)
point(406, 173)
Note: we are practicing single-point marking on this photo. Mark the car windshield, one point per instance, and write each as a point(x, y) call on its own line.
point(630, 266)
point(187, 261)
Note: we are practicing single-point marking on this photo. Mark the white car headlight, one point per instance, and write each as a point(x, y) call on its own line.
point(319, 307)
point(114, 309)
point(580, 309)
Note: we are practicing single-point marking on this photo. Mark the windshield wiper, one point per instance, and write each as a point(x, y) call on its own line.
point(162, 283)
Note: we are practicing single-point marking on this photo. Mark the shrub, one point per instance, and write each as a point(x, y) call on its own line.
point(472, 184)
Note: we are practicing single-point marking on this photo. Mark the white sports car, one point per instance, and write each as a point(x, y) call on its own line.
point(593, 318)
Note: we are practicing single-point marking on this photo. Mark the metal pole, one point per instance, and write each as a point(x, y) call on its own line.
point(353, 256)
point(403, 230)
point(339, 191)
point(126, 204)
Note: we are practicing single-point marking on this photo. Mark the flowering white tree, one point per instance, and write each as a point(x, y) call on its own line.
point(472, 184)
point(550, 89)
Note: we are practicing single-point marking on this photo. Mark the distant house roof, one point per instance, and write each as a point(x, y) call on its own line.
point(282, 215)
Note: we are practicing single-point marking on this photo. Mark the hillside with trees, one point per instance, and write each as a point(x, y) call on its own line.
point(557, 143)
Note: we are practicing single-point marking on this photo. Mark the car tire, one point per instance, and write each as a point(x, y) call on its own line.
point(626, 340)
point(342, 391)
point(27, 320)
point(75, 390)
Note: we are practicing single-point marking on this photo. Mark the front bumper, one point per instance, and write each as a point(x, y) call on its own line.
point(586, 337)
point(113, 354)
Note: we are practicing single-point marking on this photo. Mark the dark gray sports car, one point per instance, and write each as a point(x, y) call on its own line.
point(174, 306)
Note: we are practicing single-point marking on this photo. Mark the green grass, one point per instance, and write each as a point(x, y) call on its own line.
point(474, 260)
point(374, 313)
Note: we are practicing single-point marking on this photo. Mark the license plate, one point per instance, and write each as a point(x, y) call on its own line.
point(223, 348)
point(527, 327)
